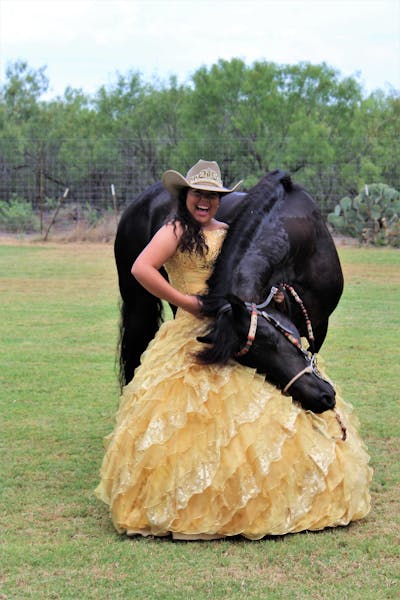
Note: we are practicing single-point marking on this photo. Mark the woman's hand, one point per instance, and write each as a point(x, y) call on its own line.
point(192, 305)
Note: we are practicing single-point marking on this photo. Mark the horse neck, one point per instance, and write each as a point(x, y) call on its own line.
point(241, 267)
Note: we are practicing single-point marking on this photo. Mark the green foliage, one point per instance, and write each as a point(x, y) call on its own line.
point(303, 118)
point(373, 216)
point(22, 92)
point(50, 204)
point(17, 216)
point(90, 214)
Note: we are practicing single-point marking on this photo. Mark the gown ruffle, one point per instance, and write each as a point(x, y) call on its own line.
point(206, 451)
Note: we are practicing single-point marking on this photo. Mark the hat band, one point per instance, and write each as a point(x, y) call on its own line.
point(205, 176)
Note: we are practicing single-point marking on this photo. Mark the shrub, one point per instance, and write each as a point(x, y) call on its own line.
point(373, 216)
point(17, 216)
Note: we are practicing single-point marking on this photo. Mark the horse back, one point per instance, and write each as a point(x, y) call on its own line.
point(312, 264)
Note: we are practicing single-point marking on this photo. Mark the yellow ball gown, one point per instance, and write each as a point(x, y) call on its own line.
point(208, 451)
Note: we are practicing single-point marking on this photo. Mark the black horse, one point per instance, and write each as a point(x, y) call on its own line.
point(277, 235)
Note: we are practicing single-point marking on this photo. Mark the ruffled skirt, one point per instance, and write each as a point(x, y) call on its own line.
point(207, 451)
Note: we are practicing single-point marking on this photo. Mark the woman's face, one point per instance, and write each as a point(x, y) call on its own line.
point(202, 205)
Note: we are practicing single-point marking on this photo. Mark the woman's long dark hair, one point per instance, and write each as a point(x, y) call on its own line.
point(192, 239)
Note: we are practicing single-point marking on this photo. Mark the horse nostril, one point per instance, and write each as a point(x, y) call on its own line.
point(329, 400)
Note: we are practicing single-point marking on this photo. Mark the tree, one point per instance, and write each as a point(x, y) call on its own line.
point(303, 118)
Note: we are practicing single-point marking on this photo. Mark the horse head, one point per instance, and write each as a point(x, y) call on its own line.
point(270, 343)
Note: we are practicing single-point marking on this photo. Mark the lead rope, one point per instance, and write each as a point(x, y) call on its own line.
point(341, 425)
point(311, 340)
point(300, 302)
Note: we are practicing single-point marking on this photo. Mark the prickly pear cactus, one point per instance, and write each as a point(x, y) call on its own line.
point(373, 216)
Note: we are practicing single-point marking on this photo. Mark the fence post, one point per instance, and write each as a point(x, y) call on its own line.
point(114, 197)
point(56, 213)
point(41, 184)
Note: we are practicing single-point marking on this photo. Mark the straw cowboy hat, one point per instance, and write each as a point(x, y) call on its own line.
point(204, 175)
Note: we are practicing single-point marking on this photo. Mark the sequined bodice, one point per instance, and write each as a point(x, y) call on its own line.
point(188, 272)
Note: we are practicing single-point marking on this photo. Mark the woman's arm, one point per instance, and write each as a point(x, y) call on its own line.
point(146, 269)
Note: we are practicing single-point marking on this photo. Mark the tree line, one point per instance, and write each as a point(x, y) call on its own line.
point(304, 118)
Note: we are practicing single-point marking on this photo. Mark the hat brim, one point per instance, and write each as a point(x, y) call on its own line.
point(174, 182)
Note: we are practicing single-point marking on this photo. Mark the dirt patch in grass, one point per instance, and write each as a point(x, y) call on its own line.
point(67, 231)
point(102, 231)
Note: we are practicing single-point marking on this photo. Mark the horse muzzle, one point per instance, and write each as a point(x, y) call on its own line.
point(314, 393)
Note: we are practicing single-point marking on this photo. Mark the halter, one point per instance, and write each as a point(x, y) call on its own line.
point(311, 368)
point(255, 312)
point(252, 331)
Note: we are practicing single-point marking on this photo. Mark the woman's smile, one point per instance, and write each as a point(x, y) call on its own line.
point(202, 205)
point(202, 209)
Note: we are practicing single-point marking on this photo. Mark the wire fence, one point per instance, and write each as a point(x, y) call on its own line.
point(41, 177)
point(107, 177)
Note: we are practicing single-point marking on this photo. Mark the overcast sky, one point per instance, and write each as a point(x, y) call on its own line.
point(85, 43)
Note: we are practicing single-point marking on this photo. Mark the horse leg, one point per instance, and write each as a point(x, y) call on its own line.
point(141, 316)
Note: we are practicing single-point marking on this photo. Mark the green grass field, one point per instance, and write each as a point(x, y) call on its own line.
point(59, 393)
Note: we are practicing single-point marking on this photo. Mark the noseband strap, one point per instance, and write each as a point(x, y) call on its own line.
point(308, 369)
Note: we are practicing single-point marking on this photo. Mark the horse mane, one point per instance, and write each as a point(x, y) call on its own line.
point(258, 203)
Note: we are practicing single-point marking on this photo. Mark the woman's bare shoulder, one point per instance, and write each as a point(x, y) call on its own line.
point(170, 230)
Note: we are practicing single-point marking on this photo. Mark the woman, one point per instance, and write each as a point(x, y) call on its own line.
point(204, 451)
